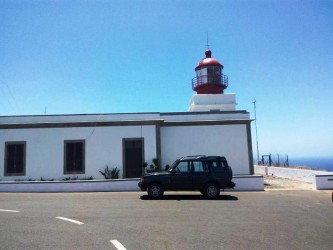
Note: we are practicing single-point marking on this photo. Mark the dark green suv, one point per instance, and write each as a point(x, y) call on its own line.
point(207, 174)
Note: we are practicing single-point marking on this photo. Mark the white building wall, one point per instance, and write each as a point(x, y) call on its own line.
point(223, 140)
point(103, 146)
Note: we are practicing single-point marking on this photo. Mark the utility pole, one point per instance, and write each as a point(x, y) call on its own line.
point(255, 123)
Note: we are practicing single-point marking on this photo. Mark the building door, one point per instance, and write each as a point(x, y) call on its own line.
point(133, 157)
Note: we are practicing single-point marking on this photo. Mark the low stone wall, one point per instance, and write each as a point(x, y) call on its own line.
point(69, 186)
point(243, 183)
point(248, 183)
point(289, 173)
point(319, 179)
point(324, 182)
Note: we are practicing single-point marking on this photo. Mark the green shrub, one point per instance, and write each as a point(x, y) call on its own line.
point(154, 166)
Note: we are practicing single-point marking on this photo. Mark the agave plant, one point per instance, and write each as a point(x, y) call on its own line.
point(115, 173)
point(110, 174)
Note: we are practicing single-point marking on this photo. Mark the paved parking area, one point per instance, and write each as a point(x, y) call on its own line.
point(272, 219)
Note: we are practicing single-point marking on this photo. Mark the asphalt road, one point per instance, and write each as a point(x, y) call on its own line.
point(238, 220)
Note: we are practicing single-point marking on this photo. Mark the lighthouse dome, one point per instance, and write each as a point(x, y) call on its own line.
point(209, 77)
point(208, 61)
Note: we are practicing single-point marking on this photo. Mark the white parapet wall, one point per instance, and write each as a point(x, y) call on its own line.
point(69, 186)
point(324, 182)
point(319, 179)
point(243, 183)
point(248, 183)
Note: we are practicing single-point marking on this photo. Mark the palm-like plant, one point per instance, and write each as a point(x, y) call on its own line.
point(110, 174)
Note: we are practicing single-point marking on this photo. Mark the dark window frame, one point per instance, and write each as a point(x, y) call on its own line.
point(6, 172)
point(83, 157)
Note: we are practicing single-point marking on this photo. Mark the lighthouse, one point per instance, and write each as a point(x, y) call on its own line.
point(210, 83)
point(209, 77)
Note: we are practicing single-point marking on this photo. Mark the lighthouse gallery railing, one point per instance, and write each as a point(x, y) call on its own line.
point(208, 79)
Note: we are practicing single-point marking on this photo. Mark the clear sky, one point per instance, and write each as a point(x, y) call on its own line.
point(69, 57)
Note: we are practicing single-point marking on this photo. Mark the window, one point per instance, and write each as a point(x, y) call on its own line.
point(15, 158)
point(74, 157)
point(199, 167)
point(183, 167)
point(202, 73)
point(217, 166)
point(214, 70)
point(214, 75)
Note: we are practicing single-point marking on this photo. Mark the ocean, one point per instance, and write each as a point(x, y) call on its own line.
point(320, 163)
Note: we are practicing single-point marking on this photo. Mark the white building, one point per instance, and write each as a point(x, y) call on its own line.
point(63, 146)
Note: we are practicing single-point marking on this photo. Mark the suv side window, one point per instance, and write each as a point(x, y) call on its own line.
point(216, 166)
point(183, 167)
point(200, 167)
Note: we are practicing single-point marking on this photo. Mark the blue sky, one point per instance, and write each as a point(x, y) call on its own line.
point(73, 57)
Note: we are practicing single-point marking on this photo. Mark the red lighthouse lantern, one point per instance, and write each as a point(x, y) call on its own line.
point(209, 78)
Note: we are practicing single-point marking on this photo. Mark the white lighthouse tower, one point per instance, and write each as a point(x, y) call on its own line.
point(210, 84)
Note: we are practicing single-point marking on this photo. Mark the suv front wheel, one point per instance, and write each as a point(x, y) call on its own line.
point(211, 191)
point(155, 191)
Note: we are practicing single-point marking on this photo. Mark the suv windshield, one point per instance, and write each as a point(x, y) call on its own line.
point(173, 166)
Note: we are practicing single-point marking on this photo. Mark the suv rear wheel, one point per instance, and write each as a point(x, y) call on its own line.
point(155, 191)
point(211, 191)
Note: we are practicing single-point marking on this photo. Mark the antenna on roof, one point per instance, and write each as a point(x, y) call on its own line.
point(207, 44)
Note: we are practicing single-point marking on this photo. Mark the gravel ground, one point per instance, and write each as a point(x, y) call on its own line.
point(272, 182)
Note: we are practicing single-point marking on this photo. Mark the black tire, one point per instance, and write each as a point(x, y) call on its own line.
point(155, 191)
point(211, 191)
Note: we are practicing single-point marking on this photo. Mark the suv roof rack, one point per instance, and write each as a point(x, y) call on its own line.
point(215, 157)
point(193, 156)
point(210, 157)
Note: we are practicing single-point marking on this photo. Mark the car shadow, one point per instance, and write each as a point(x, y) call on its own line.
point(190, 197)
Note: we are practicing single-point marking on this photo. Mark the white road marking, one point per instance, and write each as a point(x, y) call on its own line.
point(118, 245)
point(10, 211)
point(70, 220)
point(287, 189)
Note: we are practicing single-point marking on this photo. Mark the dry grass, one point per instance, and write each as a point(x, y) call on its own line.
point(272, 182)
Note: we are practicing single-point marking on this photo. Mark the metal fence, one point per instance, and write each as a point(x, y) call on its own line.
point(274, 160)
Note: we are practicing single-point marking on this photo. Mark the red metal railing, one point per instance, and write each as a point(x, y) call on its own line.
point(207, 79)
